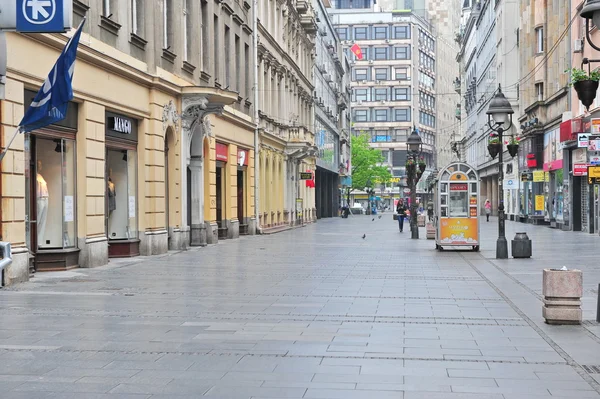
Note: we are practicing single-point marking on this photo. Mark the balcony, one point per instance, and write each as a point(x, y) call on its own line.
point(309, 23)
point(302, 7)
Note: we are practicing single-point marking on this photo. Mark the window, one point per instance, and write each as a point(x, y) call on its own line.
point(216, 64)
point(381, 115)
point(401, 134)
point(381, 32)
point(381, 94)
point(401, 32)
point(106, 8)
point(426, 119)
point(238, 65)
point(380, 136)
point(166, 24)
point(399, 158)
point(401, 73)
point(402, 115)
point(205, 36)
point(381, 74)
point(187, 37)
point(380, 53)
point(360, 33)
point(401, 94)
point(360, 95)
point(137, 17)
point(361, 115)
point(402, 53)
point(539, 91)
point(360, 74)
point(539, 38)
point(342, 33)
point(227, 39)
point(247, 70)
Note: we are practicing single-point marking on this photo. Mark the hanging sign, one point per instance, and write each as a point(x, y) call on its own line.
point(459, 187)
point(583, 140)
point(594, 157)
point(593, 171)
point(305, 175)
point(242, 157)
point(595, 127)
point(221, 152)
point(538, 176)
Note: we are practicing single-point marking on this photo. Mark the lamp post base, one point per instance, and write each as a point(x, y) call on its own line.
point(414, 231)
point(501, 248)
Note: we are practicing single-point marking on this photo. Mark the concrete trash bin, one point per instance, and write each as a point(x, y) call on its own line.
point(562, 291)
point(521, 246)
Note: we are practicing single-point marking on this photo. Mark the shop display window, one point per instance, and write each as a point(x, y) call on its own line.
point(121, 194)
point(54, 191)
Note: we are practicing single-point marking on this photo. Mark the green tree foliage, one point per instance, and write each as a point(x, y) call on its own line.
point(366, 164)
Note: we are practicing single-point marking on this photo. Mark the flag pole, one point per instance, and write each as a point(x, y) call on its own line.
point(9, 143)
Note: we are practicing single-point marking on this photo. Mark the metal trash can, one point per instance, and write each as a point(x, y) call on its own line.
point(521, 246)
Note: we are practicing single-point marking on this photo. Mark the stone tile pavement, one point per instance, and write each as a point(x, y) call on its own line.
point(316, 312)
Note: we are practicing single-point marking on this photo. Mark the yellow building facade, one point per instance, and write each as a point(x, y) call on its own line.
point(144, 162)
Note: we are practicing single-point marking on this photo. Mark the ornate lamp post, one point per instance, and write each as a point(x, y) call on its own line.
point(499, 114)
point(591, 10)
point(413, 174)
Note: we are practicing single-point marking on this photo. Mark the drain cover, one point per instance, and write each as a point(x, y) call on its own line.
point(592, 369)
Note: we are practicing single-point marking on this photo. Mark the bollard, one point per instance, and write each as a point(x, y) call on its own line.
point(562, 290)
point(521, 246)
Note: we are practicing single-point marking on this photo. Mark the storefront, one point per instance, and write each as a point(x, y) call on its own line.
point(327, 172)
point(242, 191)
point(531, 185)
point(51, 193)
point(553, 178)
point(121, 136)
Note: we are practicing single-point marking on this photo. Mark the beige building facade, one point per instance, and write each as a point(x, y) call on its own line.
point(157, 149)
point(286, 52)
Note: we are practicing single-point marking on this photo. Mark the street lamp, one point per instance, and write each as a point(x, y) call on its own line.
point(591, 10)
point(415, 145)
point(499, 113)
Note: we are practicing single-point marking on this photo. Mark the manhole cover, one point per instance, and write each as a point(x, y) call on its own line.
point(592, 369)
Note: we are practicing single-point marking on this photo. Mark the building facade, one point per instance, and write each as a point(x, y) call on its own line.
point(488, 58)
point(393, 86)
point(286, 52)
point(156, 151)
point(330, 112)
point(544, 52)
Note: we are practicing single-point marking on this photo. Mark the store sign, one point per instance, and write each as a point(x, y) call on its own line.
point(37, 16)
point(593, 172)
point(594, 157)
point(527, 176)
point(510, 183)
point(594, 143)
point(242, 157)
point(538, 176)
point(459, 187)
point(580, 169)
point(583, 140)
point(595, 126)
point(221, 152)
point(305, 175)
point(121, 125)
point(579, 156)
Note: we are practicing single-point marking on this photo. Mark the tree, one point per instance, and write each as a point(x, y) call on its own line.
point(366, 165)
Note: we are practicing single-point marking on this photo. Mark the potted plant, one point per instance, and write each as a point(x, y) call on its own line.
point(422, 164)
point(411, 165)
point(512, 145)
point(585, 84)
point(494, 145)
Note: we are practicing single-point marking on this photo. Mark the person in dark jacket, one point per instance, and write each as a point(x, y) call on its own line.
point(401, 210)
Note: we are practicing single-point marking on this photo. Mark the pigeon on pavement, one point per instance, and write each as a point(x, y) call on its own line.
point(364, 236)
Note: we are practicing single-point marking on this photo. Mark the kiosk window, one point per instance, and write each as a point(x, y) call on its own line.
point(459, 200)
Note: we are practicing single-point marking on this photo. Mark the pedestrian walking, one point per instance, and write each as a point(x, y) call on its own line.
point(401, 210)
point(488, 209)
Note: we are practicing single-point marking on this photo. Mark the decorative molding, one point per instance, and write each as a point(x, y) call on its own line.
point(189, 68)
point(80, 8)
point(109, 25)
point(168, 55)
point(170, 115)
point(138, 41)
point(195, 108)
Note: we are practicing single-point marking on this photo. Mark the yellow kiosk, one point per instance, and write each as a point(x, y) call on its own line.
point(457, 209)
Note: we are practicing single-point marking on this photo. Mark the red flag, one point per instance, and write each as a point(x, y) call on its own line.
point(357, 51)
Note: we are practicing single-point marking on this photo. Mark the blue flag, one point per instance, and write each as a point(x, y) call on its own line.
point(50, 103)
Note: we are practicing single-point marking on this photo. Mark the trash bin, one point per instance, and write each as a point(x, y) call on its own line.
point(521, 246)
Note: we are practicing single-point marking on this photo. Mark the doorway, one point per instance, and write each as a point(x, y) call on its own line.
point(220, 188)
point(241, 201)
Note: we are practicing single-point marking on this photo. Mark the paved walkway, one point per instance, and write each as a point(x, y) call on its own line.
point(316, 312)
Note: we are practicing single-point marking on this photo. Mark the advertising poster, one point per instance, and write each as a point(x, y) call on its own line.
point(458, 231)
point(539, 202)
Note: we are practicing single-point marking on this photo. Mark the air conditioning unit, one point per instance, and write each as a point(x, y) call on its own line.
point(370, 61)
point(387, 40)
point(359, 102)
point(578, 46)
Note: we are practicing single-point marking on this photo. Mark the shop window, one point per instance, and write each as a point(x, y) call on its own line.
point(53, 187)
point(121, 194)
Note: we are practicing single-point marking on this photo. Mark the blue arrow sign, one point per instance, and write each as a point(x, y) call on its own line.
point(40, 16)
